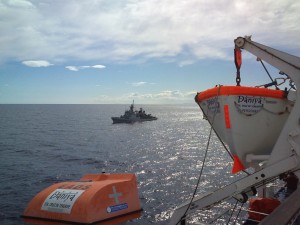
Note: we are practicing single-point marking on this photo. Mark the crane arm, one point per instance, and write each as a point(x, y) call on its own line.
point(285, 62)
point(289, 139)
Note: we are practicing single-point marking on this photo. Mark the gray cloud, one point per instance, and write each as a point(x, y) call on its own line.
point(120, 31)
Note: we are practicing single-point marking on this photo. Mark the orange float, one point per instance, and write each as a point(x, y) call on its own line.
point(239, 90)
point(95, 198)
point(259, 208)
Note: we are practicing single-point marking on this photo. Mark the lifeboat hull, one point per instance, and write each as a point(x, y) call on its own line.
point(248, 119)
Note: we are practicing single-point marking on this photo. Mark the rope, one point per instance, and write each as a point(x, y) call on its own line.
point(211, 124)
point(268, 72)
point(238, 213)
point(257, 111)
point(202, 167)
point(232, 212)
point(219, 216)
point(223, 144)
point(199, 178)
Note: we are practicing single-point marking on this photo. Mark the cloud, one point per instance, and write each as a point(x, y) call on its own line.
point(95, 66)
point(125, 31)
point(77, 68)
point(98, 66)
point(72, 68)
point(19, 4)
point(37, 63)
point(166, 96)
point(186, 63)
point(138, 84)
point(169, 94)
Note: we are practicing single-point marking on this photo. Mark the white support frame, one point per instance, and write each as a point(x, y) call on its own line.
point(285, 155)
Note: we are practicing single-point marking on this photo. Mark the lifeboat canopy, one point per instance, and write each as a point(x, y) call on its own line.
point(95, 198)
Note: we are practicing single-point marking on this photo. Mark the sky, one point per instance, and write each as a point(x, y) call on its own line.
point(150, 51)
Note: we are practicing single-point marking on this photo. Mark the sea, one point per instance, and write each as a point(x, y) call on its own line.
point(41, 145)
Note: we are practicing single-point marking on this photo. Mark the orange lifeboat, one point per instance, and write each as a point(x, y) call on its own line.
point(259, 208)
point(248, 119)
point(95, 198)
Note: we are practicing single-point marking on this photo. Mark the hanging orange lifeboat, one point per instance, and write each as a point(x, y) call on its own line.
point(248, 119)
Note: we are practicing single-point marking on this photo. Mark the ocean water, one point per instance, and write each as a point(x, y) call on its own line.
point(45, 144)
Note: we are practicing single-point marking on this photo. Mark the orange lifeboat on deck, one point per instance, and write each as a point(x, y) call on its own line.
point(109, 198)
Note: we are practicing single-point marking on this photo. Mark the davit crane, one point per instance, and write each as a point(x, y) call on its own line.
point(285, 155)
